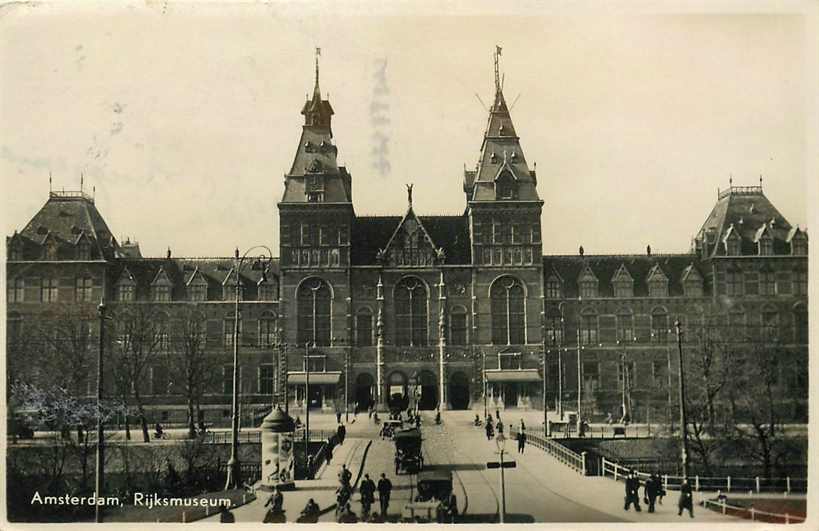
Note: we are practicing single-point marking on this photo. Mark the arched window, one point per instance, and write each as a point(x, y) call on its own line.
point(508, 312)
point(314, 299)
point(85, 286)
point(267, 329)
point(554, 327)
point(770, 323)
point(736, 323)
point(411, 312)
point(457, 326)
point(659, 325)
point(364, 327)
point(162, 333)
point(229, 322)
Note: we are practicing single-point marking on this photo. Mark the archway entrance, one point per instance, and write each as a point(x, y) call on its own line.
point(459, 391)
point(363, 391)
point(397, 391)
point(428, 394)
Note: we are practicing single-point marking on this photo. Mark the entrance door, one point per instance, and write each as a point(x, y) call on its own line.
point(363, 391)
point(397, 391)
point(459, 391)
point(428, 398)
point(316, 394)
point(510, 394)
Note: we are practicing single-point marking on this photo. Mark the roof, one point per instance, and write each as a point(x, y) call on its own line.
point(65, 217)
point(744, 210)
point(500, 150)
point(180, 271)
point(372, 233)
point(641, 267)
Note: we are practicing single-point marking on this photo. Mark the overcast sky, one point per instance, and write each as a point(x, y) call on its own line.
point(185, 122)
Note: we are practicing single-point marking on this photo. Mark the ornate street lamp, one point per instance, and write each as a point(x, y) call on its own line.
point(262, 263)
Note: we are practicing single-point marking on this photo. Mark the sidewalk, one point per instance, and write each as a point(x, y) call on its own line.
point(322, 489)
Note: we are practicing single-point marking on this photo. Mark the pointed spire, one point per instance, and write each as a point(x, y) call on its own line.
point(496, 56)
point(409, 195)
point(316, 90)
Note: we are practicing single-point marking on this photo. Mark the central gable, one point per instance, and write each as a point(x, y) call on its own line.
point(410, 245)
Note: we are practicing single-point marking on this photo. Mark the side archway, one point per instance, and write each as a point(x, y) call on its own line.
point(459, 391)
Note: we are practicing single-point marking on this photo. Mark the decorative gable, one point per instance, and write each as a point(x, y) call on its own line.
point(623, 282)
point(197, 286)
point(161, 286)
point(798, 240)
point(411, 245)
point(692, 281)
point(657, 282)
point(732, 241)
point(588, 282)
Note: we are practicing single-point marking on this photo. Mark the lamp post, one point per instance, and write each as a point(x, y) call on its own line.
point(262, 262)
point(306, 398)
point(500, 440)
point(100, 458)
point(485, 410)
point(579, 381)
point(683, 421)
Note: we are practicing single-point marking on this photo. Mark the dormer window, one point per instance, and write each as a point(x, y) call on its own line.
point(505, 186)
point(733, 246)
point(588, 288)
point(553, 290)
point(765, 246)
point(268, 290)
point(493, 158)
point(125, 293)
point(799, 245)
point(161, 293)
point(229, 291)
point(501, 130)
point(84, 250)
point(657, 283)
point(15, 251)
point(623, 283)
point(308, 147)
point(198, 292)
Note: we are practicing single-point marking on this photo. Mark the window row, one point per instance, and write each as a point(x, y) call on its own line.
point(196, 292)
point(766, 283)
point(495, 255)
point(504, 232)
point(48, 290)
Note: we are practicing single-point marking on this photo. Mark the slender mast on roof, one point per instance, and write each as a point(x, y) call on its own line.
point(497, 68)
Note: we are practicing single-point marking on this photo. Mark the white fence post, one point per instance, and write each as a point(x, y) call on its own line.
point(665, 481)
point(757, 483)
point(723, 506)
point(615, 471)
point(753, 516)
point(729, 483)
point(697, 483)
point(184, 516)
point(788, 484)
point(583, 461)
point(787, 518)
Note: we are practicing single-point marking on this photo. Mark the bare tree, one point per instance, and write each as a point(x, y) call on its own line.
point(139, 340)
point(191, 367)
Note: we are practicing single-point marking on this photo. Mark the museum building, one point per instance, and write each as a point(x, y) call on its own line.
point(451, 312)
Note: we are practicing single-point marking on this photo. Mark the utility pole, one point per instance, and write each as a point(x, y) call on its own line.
point(306, 398)
point(485, 409)
point(683, 421)
point(99, 478)
point(579, 381)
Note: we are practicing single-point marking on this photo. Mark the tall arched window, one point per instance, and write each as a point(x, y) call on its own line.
point(800, 321)
point(659, 325)
point(314, 312)
point(625, 325)
point(364, 327)
point(411, 312)
point(588, 326)
point(505, 186)
point(508, 312)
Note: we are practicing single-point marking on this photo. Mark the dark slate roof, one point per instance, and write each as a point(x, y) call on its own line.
point(64, 217)
point(605, 267)
point(371, 233)
point(746, 209)
point(500, 138)
point(180, 270)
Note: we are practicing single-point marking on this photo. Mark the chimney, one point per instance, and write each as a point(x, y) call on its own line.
point(169, 253)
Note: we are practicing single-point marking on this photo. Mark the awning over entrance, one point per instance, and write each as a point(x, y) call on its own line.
point(316, 378)
point(512, 375)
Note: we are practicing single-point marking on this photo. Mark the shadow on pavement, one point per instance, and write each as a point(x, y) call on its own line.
point(455, 466)
point(487, 518)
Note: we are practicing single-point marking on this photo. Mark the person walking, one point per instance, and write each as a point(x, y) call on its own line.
point(367, 490)
point(651, 490)
point(310, 513)
point(225, 516)
point(384, 492)
point(521, 441)
point(632, 492)
point(686, 499)
point(276, 502)
point(489, 431)
point(341, 431)
point(344, 475)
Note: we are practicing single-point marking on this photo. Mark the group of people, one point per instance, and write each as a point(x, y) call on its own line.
point(653, 492)
point(367, 490)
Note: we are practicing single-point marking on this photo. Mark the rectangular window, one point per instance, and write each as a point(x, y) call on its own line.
point(324, 235)
point(266, 375)
point(588, 330)
point(161, 293)
point(554, 330)
point(125, 292)
point(624, 289)
point(305, 235)
point(752, 283)
point(510, 360)
point(318, 363)
point(477, 232)
point(800, 283)
point(659, 374)
point(659, 328)
point(799, 247)
point(48, 290)
point(227, 379)
point(553, 289)
point(588, 289)
point(228, 331)
point(267, 331)
point(766, 247)
point(497, 259)
point(16, 290)
point(768, 284)
point(733, 283)
point(783, 283)
point(625, 327)
point(658, 288)
point(163, 337)
point(198, 292)
point(364, 329)
point(457, 328)
point(84, 289)
point(536, 233)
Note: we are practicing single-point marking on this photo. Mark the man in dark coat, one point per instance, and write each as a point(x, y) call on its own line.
point(521, 441)
point(384, 491)
point(344, 475)
point(686, 499)
point(490, 431)
point(367, 491)
point(651, 490)
point(632, 492)
point(342, 433)
point(225, 516)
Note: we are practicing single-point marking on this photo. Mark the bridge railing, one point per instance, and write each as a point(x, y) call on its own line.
point(753, 514)
point(570, 458)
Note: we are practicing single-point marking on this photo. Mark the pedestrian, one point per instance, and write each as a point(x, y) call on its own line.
point(521, 441)
point(341, 431)
point(686, 499)
point(367, 490)
point(500, 427)
point(344, 475)
point(276, 501)
point(632, 492)
point(330, 446)
point(489, 431)
point(338, 417)
point(497, 413)
point(348, 516)
point(310, 513)
point(384, 492)
point(650, 491)
point(225, 516)
point(522, 425)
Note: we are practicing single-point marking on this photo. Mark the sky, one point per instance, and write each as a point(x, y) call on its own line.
point(184, 118)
